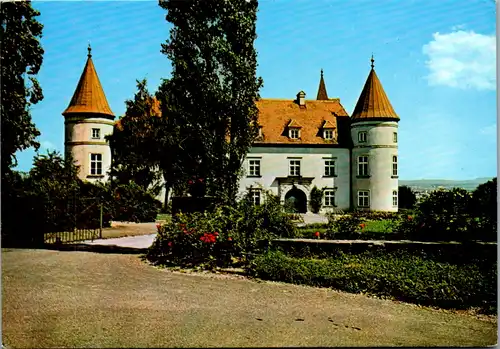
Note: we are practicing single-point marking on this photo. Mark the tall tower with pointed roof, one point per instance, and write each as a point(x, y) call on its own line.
point(88, 119)
point(374, 132)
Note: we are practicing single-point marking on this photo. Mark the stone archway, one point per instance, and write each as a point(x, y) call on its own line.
point(296, 200)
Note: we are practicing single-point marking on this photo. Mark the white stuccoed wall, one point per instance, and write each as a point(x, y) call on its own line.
point(275, 162)
point(79, 141)
point(380, 148)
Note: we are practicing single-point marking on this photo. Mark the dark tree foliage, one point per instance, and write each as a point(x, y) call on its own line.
point(134, 147)
point(214, 86)
point(21, 58)
point(485, 202)
point(406, 197)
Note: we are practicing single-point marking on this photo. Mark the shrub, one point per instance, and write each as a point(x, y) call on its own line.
point(133, 204)
point(349, 226)
point(316, 199)
point(248, 227)
point(395, 275)
point(445, 215)
point(406, 197)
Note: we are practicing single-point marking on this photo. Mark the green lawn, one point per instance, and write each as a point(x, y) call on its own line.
point(163, 217)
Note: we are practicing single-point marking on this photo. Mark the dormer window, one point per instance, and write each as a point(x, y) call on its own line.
point(294, 129)
point(328, 134)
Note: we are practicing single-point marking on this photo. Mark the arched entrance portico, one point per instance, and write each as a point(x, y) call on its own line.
point(296, 200)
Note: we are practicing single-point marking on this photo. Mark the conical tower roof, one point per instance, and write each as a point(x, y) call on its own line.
point(322, 95)
point(373, 102)
point(89, 96)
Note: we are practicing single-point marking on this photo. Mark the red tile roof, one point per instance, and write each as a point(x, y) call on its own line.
point(275, 116)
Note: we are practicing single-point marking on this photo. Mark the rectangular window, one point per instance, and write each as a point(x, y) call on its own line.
point(329, 198)
point(329, 168)
point(255, 197)
point(395, 137)
point(96, 133)
point(328, 134)
point(363, 165)
point(294, 167)
point(394, 165)
point(294, 133)
point(362, 136)
point(363, 198)
point(96, 164)
point(394, 198)
point(254, 168)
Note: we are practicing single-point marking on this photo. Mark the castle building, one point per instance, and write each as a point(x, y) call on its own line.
point(302, 144)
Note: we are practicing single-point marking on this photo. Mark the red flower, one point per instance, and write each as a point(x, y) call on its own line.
point(185, 231)
point(317, 234)
point(158, 226)
point(170, 244)
point(362, 225)
point(229, 239)
point(410, 218)
point(190, 182)
point(216, 234)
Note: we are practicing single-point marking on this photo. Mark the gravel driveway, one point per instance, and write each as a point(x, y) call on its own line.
point(83, 299)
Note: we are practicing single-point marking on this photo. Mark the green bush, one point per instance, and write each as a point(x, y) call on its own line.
point(349, 226)
point(131, 203)
point(445, 215)
point(242, 231)
point(316, 199)
point(396, 275)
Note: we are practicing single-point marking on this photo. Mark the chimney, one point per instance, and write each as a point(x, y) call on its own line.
point(301, 99)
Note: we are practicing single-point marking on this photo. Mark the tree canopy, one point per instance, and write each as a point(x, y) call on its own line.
point(214, 86)
point(21, 59)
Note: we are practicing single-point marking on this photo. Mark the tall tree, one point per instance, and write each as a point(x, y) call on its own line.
point(134, 147)
point(214, 85)
point(21, 58)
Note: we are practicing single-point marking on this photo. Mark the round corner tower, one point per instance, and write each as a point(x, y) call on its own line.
point(87, 120)
point(374, 161)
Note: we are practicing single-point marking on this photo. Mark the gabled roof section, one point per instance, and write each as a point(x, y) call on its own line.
point(275, 116)
point(89, 96)
point(322, 95)
point(294, 124)
point(327, 124)
point(373, 102)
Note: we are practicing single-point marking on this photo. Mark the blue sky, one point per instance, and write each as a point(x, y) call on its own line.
point(435, 59)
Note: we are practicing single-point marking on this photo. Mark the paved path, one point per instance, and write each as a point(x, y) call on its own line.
point(141, 241)
point(83, 299)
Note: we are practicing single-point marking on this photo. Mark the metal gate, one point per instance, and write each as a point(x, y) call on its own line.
point(73, 219)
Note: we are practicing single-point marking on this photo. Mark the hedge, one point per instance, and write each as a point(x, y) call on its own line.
point(396, 276)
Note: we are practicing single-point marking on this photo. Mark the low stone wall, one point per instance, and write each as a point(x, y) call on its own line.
point(446, 251)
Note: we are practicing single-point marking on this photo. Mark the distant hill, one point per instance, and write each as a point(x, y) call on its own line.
point(430, 184)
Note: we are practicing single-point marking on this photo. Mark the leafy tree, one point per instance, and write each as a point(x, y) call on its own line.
point(21, 58)
point(406, 197)
point(134, 147)
point(214, 86)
